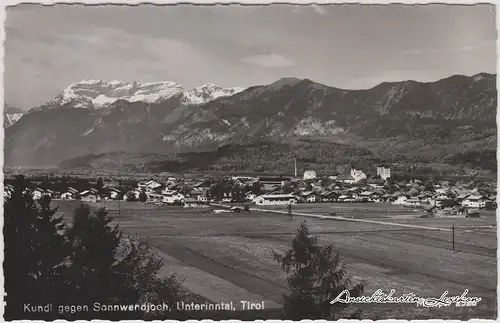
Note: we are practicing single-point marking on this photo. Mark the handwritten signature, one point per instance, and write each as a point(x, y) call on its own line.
point(379, 297)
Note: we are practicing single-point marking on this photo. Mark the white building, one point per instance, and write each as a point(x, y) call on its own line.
point(412, 202)
point(193, 203)
point(474, 202)
point(89, 196)
point(202, 198)
point(401, 200)
point(275, 199)
point(309, 196)
point(171, 197)
point(384, 172)
point(309, 174)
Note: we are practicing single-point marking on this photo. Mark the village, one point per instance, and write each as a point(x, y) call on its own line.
point(433, 197)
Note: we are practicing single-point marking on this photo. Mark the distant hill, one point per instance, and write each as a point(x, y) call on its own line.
point(256, 157)
point(405, 122)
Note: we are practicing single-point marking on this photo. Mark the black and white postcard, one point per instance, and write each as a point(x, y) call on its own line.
point(249, 162)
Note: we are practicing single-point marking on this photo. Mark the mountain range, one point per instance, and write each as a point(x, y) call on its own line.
point(11, 115)
point(450, 121)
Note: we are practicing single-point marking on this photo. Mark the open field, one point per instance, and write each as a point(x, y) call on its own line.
point(227, 256)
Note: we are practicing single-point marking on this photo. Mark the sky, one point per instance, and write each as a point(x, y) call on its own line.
point(347, 46)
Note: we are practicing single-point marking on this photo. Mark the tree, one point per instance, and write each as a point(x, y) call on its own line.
point(107, 268)
point(131, 197)
point(256, 188)
point(47, 263)
point(99, 184)
point(216, 191)
point(93, 244)
point(34, 249)
point(287, 188)
point(143, 197)
point(316, 275)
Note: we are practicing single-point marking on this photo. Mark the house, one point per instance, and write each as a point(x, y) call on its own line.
point(329, 196)
point(474, 201)
point(400, 200)
point(346, 179)
point(309, 196)
point(369, 197)
point(425, 198)
point(275, 199)
point(413, 192)
point(153, 186)
point(312, 198)
point(94, 191)
point(193, 203)
point(202, 198)
point(89, 196)
point(194, 193)
point(70, 194)
point(375, 183)
point(113, 193)
point(460, 198)
point(273, 180)
point(346, 198)
point(171, 197)
point(150, 186)
point(412, 202)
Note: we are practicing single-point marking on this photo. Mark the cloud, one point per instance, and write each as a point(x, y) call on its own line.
point(270, 60)
point(480, 46)
point(412, 52)
point(320, 10)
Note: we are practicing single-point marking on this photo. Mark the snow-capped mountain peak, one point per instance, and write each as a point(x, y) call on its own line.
point(96, 94)
point(11, 115)
point(208, 92)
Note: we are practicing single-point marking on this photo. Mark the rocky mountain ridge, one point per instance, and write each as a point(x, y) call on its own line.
point(11, 115)
point(414, 116)
point(97, 94)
